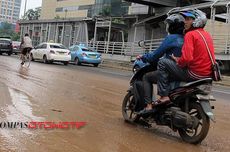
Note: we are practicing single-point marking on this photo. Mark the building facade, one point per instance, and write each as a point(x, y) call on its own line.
point(10, 10)
point(67, 32)
point(71, 21)
point(58, 14)
point(52, 9)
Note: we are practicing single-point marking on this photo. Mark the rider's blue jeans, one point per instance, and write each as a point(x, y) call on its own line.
point(169, 71)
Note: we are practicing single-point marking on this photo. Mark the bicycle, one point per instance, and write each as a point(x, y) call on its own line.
point(26, 59)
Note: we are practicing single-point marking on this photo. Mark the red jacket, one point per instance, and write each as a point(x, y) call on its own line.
point(195, 54)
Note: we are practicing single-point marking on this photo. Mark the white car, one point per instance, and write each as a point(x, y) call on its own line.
point(51, 52)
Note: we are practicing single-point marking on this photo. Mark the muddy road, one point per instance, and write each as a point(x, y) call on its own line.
point(58, 93)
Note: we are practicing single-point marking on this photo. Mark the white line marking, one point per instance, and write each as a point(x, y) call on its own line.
point(221, 91)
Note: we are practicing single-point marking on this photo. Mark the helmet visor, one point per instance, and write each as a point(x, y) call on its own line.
point(188, 14)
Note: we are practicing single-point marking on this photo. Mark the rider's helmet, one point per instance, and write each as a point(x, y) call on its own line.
point(175, 24)
point(200, 18)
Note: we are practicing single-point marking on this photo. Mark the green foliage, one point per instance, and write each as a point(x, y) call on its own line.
point(15, 37)
point(6, 30)
point(118, 21)
point(57, 17)
point(32, 14)
point(106, 11)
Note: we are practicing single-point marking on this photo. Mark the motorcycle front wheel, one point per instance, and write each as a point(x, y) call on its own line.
point(128, 108)
point(196, 135)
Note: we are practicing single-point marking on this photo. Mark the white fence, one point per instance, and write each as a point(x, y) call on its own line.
point(126, 48)
point(221, 43)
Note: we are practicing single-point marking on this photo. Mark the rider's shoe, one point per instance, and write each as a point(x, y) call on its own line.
point(146, 111)
point(159, 102)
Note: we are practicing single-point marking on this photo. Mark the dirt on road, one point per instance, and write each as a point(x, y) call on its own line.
point(57, 93)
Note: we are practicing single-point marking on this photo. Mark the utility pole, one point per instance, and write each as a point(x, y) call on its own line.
point(25, 7)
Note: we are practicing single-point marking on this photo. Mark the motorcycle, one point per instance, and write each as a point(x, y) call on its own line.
point(189, 111)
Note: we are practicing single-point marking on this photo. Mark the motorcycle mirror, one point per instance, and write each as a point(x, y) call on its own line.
point(141, 43)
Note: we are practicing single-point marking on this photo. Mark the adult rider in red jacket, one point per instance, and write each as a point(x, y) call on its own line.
point(194, 63)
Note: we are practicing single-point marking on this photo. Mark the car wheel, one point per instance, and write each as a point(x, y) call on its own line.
point(95, 65)
point(9, 54)
point(66, 63)
point(136, 68)
point(76, 61)
point(45, 59)
point(32, 57)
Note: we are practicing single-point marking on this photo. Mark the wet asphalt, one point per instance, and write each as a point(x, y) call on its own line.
point(58, 93)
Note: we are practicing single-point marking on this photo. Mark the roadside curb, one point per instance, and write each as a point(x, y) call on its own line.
point(116, 67)
point(225, 81)
point(127, 66)
point(116, 64)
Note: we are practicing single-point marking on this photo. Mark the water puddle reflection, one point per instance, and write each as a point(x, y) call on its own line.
point(23, 73)
point(19, 110)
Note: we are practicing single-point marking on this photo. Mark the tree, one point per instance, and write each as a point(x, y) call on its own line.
point(106, 11)
point(32, 14)
point(15, 36)
point(57, 17)
point(38, 12)
point(6, 30)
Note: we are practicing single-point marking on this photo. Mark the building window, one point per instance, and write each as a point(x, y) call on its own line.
point(44, 35)
point(60, 30)
point(60, 9)
point(74, 8)
point(85, 7)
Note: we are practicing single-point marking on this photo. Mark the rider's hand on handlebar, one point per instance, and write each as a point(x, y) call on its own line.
point(139, 57)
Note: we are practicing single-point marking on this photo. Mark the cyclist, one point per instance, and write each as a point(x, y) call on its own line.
point(26, 46)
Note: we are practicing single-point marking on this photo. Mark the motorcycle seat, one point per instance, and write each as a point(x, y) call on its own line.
point(176, 84)
point(181, 84)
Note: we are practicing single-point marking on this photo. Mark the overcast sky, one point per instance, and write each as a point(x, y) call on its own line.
point(30, 4)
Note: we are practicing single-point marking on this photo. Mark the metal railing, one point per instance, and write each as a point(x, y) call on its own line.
point(221, 43)
point(132, 48)
point(123, 48)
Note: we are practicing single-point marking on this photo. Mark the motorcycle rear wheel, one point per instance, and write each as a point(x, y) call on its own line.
point(128, 108)
point(196, 135)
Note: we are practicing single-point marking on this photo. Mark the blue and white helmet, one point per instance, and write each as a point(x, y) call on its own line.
point(200, 18)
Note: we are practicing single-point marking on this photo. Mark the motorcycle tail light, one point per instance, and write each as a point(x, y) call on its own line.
point(205, 88)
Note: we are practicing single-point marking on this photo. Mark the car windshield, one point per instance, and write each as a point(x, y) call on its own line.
point(57, 46)
point(4, 41)
point(87, 50)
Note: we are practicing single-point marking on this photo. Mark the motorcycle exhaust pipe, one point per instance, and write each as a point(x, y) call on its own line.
point(183, 120)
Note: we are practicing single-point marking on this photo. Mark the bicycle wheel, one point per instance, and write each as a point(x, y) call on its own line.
point(26, 59)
